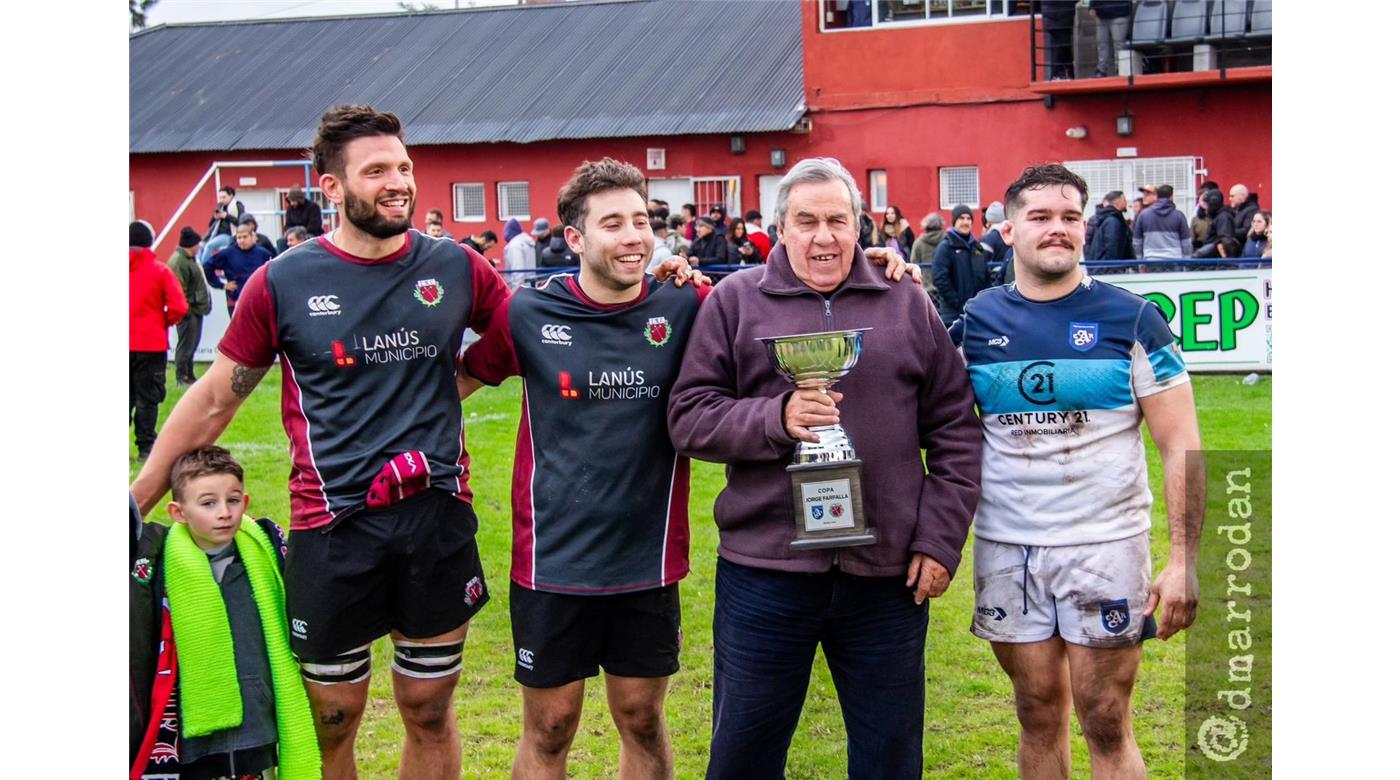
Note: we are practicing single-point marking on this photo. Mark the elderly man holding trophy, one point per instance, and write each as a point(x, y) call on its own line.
point(844, 509)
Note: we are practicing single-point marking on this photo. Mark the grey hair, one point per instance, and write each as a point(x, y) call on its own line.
point(815, 170)
point(932, 221)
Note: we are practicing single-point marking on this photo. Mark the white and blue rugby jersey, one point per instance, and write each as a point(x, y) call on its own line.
point(1057, 384)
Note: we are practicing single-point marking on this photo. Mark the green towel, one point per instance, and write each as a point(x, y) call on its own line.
point(209, 695)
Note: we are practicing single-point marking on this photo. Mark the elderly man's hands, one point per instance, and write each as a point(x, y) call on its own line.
point(808, 408)
point(927, 577)
point(677, 268)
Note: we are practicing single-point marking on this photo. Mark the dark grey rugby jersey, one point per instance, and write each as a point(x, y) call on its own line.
point(368, 351)
point(599, 495)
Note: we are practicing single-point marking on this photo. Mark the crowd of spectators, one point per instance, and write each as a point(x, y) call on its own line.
point(957, 262)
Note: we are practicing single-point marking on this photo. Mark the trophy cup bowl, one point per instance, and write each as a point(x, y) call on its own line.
point(826, 475)
point(815, 359)
point(818, 360)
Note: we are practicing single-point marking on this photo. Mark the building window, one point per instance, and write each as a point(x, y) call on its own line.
point(958, 187)
point(513, 200)
point(469, 202)
point(717, 191)
point(878, 192)
point(1127, 175)
point(871, 14)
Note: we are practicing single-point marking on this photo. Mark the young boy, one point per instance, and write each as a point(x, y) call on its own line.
point(215, 690)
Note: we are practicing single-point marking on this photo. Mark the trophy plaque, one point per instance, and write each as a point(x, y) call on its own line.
point(826, 489)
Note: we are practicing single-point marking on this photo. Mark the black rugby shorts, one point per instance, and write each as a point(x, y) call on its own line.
point(560, 638)
point(411, 567)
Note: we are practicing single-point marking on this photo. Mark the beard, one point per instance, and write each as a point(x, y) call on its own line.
point(364, 215)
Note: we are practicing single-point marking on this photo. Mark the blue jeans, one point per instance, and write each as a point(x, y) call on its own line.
point(767, 626)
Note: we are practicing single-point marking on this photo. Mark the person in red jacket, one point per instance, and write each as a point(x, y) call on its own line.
point(157, 302)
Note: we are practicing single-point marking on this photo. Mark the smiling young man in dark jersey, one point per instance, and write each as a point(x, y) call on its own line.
point(366, 323)
point(600, 539)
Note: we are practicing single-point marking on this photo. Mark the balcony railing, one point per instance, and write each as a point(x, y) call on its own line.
point(1068, 41)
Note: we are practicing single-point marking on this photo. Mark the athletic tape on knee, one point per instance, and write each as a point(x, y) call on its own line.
point(427, 661)
point(348, 667)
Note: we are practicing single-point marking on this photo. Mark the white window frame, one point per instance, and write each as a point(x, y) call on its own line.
point(929, 20)
point(502, 201)
point(1129, 173)
point(732, 187)
point(946, 202)
point(459, 216)
point(879, 195)
point(329, 213)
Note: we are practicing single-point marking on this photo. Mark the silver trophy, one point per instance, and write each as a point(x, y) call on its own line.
point(826, 489)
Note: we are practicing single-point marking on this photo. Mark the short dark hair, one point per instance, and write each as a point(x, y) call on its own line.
point(1209, 185)
point(690, 206)
point(202, 462)
point(435, 215)
point(1112, 196)
point(1165, 191)
point(675, 222)
point(231, 192)
point(298, 232)
point(752, 215)
point(489, 235)
point(343, 124)
point(1036, 177)
point(594, 177)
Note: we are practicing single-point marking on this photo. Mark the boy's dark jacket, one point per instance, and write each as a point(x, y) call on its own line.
point(144, 588)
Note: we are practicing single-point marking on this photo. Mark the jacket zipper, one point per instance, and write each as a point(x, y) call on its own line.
point(831, 325)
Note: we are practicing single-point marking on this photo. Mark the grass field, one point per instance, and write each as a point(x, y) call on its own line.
point(970, 725)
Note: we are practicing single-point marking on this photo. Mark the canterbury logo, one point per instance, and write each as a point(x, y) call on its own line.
point(556, 334)
point(323, 304)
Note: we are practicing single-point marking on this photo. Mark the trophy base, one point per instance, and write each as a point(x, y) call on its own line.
point(828, 506)
point(820, 543)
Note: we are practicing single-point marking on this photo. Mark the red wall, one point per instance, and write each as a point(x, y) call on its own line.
point(907, 100)
point(1230, 127)
point(906, 65)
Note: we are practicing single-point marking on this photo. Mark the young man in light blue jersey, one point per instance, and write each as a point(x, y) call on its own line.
point(1064, 369)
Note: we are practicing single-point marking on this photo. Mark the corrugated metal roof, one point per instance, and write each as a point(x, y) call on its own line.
point(520, 73)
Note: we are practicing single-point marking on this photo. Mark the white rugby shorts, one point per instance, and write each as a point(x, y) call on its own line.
point(1088, 594)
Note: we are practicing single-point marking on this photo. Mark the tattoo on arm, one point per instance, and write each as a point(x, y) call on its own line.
point(245, 379)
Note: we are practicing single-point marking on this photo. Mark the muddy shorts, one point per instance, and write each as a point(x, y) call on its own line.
point(1088, 594)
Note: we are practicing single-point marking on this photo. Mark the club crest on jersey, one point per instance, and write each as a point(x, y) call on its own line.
point(1083, 336)
point(657, 331)
point(141, 572)
point(428, 292)
point(1115, 616)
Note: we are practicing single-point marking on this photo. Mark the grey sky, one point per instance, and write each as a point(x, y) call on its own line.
point(173, 11)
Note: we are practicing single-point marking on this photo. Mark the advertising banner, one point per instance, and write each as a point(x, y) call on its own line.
point(1223, 320)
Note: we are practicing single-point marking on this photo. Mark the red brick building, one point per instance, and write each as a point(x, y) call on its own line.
point(929, 105)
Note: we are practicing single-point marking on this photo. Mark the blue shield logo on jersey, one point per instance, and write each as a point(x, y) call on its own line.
point(817, 511)
point(1115, 616)
point(1083, 336)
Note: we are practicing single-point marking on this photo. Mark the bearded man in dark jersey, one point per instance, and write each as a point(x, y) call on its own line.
point(366, 323)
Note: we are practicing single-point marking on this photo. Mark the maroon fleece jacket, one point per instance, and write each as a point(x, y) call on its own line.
point(909, 392)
